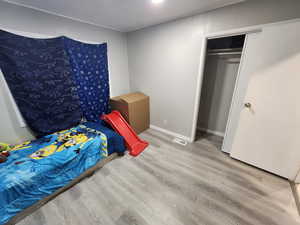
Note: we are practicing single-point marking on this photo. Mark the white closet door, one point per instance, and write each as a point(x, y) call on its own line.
point(268, 133)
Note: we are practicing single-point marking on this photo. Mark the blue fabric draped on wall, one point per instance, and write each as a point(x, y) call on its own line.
point(90, 71)
point(38, 74)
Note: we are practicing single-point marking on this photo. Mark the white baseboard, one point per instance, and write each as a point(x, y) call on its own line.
point(218, 133)
point(171, 133)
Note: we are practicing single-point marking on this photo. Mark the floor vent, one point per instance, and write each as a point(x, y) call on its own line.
point(180, 141)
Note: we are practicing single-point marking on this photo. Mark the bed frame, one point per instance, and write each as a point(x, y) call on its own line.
point(26, 212)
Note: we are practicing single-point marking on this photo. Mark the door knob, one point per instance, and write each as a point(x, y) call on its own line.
point(248, 105)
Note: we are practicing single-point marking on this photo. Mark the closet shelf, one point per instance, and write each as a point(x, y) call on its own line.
point(228, 51)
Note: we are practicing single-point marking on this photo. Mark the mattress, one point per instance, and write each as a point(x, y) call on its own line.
point(36, 169)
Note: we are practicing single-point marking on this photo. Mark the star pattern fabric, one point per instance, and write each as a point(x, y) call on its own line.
point(89, 65)
point(38, 74)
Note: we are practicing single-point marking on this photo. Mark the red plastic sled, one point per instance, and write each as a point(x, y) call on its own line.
point(134, 144)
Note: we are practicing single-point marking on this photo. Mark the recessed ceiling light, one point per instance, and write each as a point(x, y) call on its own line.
point(157, 1)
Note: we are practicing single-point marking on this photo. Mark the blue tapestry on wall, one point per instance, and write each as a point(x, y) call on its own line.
point(38, 74)
point(90, 72)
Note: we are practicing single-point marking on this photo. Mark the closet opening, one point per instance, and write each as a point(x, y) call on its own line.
point(223, 56)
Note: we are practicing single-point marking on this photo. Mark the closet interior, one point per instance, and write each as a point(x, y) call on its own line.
point(220, 75)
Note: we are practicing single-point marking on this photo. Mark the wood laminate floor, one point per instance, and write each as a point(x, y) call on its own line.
point(171, 184)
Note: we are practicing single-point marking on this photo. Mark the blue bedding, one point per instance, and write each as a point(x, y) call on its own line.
point(38, 168)
point(115, 141)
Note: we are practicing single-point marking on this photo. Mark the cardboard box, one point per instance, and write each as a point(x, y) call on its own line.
point(134, 108)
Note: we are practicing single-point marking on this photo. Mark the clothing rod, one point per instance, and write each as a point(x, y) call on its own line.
point(225, 50)
point(225, 53)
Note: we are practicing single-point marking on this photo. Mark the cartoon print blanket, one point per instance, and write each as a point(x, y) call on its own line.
point(38, 168)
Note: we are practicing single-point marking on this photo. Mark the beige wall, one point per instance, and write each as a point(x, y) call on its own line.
point(164, 59)
point(30, 22)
